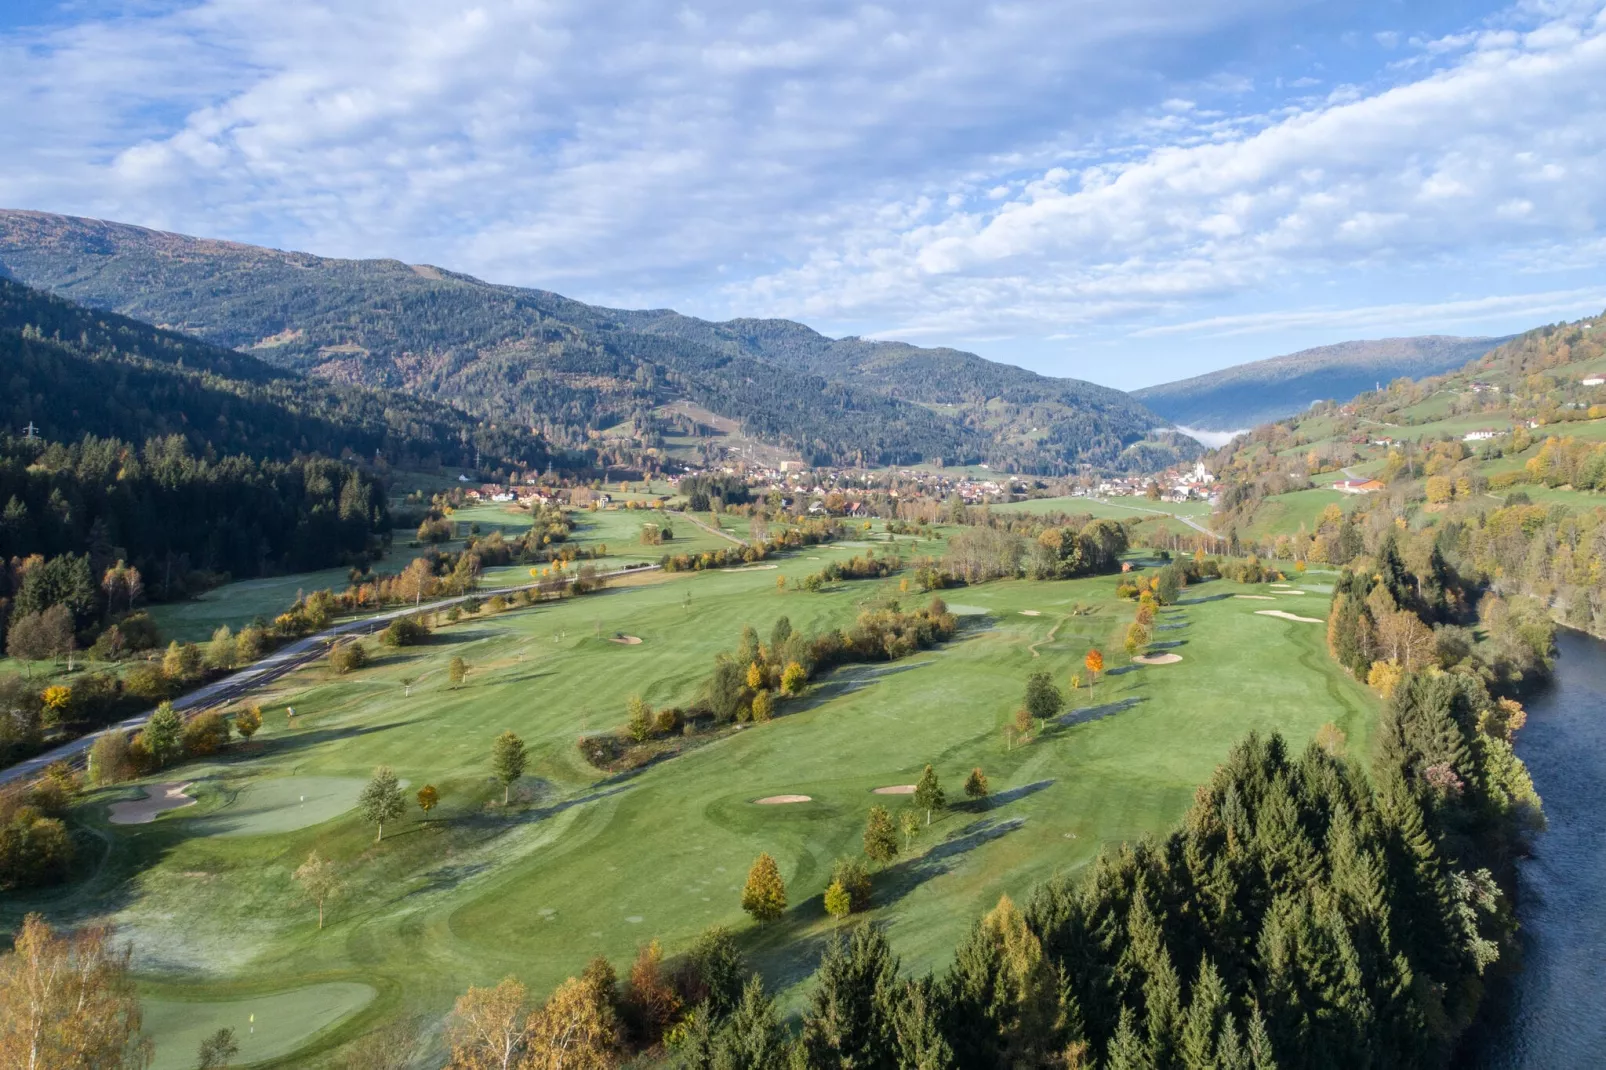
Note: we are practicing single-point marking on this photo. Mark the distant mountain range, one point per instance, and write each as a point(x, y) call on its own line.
point(1245, 395)
point(71, 371)
point(573, 370)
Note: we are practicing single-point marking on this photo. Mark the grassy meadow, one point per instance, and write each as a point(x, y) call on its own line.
point(583, 864)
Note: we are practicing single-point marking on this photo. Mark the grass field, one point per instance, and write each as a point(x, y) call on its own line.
point(1120, 508)
point(582, 864)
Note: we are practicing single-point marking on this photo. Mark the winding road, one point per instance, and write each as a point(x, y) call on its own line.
point(286, 659)
point(1188, 520)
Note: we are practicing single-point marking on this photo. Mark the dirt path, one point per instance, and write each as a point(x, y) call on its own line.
point(1052, 632)
point(711, 530)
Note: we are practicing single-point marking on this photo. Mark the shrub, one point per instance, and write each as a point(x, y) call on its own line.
point(110, 760)
point(348, 657)
point(666, 722)
point(207, 733)
point(404, 631)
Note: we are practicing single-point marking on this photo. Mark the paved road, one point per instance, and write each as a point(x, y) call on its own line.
point(1188, 520)
point(286, 659)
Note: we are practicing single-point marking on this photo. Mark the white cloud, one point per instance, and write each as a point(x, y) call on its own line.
point(938, 170)
point(1498, 155)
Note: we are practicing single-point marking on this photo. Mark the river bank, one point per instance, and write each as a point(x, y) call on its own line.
point(1548, 1017)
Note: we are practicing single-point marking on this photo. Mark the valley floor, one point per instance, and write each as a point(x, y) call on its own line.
point(584, 864)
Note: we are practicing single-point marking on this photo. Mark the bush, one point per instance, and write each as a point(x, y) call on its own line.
point(348, 657)
point(666, 722)
point(854, 878)
point(206, 734)
point(404, 631)
point(140, 632)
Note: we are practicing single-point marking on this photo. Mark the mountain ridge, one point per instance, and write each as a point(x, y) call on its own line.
point(570, 369)
point(1246, 395)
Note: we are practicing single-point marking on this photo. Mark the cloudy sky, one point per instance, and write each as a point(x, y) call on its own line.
point(1127, 191)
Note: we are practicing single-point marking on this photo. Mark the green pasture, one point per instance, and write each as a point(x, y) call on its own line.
point(583, 864)
point(1284, 514)
point(1120, 508)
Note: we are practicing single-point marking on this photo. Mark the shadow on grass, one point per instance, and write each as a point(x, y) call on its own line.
point(1002, 798)
point(898, 880)
point(1168, 644)
point(1097, 713)
point(789, 955)
point(846, 680)
point(456, 636)
point(1120, 670)
point(1206, 598)
point(280, 744)
point(1170, 627)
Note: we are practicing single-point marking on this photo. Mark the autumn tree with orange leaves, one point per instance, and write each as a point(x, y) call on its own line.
point(66, 1000)
point(1095, 665)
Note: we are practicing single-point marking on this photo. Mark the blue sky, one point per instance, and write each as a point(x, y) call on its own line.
point(1127, 191)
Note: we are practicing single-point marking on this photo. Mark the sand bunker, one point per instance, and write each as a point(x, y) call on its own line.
point(1157, 659)
point(626, 640)
point(1031, 613)
point(1288, 592)
point(896, 789)
point(159, 799)
point(1257, 597)
point(749, 568)
point(1288, 616)
point(777, 800)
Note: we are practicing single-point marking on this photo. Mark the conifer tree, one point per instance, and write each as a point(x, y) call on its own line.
point(849, 1021)
point(880, 837)
point(764, 896)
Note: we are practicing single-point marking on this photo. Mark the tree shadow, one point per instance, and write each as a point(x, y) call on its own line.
point(1206, 598)
point(898, 880)
point(846, 680)
point(1170, 627)
point(1098, 713)
point(457, 637)
point(1002, 798)
point(1120, 670)
point(1168, 644)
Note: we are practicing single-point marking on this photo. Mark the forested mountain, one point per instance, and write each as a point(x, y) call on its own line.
point(570, 369)
point(71, 371)
point(1023, 412)
point(1249, 394)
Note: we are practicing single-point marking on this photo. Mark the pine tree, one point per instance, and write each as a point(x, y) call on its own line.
point(917, 1028)
point(849, 1021)
point(1207, 1008)
point(764, 896)
point(880, 837)
point(1128, 1051)
point(752, 1038)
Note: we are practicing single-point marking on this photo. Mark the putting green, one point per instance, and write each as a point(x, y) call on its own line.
point(284, 1021)
point(280, 804)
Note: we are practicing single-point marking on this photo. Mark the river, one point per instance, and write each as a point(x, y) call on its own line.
point(1553, 1017)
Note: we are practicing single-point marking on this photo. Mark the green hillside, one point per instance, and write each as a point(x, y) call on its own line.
point(73, 372)
point(539, 359)
point(1263, 390)
point(1520, 418)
